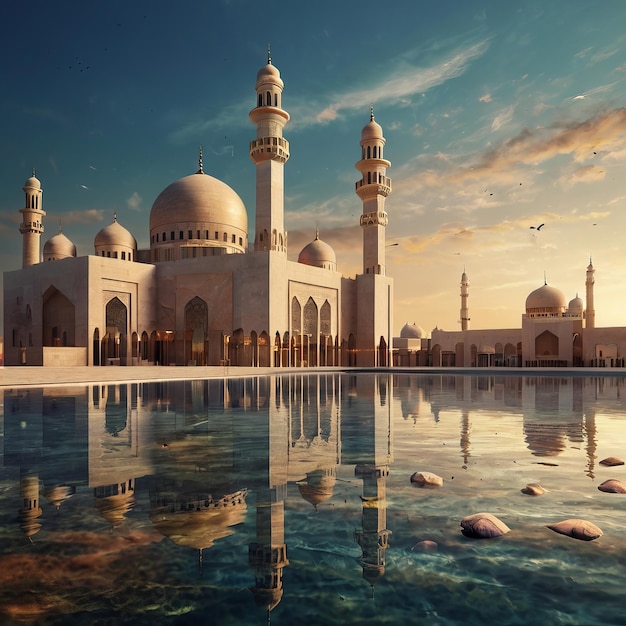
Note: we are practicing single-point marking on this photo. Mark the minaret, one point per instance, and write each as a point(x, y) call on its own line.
point(464, 296)
point(590, 313)
point(270, 152)
point(31, 226)
point(373, 188)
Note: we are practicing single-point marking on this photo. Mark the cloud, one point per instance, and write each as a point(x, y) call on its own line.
point(595, 91)
point(503, 118)
point(401, 85)
point(88, 216)
point(485, 98)
point(587, 174)
point(134, 202)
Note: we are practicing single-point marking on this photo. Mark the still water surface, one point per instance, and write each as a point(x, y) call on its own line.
point(288, 499)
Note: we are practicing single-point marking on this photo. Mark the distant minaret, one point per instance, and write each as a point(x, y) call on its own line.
point(270, 152)
point(464, 296)
point(31, 226)
point(590, 313)
point(373, 188)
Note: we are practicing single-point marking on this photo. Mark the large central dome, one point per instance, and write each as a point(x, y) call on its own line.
point(198, 198)
point(198, 211)
point(547, 301)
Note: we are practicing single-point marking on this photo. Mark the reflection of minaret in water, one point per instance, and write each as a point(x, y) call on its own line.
point(466, 428)
point(373, 537)
point(30, 511)
point(268, 554)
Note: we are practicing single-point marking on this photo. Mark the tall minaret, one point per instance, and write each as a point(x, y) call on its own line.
point(590, 313)
point(270, 152)
point(31, 226)
point(373, 188)
point(464, 296)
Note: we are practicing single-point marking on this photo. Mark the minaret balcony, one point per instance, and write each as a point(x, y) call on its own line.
point(375, 218)
point(370, 190)
point(269, 149)
point(31, 227)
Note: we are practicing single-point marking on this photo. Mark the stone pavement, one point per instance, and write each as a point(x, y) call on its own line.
point(28, 376)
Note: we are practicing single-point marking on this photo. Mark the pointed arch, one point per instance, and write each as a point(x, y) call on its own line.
point(263, 350)
point(196, 344)
point(95, 346)
point(114, 341)
point(58, 320)
point(310, 335)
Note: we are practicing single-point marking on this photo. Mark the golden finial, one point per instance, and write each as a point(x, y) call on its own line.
point(200, 170)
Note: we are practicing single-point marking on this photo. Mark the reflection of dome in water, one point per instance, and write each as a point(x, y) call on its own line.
point(56, 495)
point(114, 507)
point(318, 486)
point(200, 523)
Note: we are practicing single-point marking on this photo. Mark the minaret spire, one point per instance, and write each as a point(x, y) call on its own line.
point(31, 226)
point(200, 170)
point(464, 305)
point(373, 189)
point(269, 152)
point(590, 313)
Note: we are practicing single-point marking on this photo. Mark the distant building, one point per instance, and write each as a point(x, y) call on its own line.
point(554, 333)
point(202, 294)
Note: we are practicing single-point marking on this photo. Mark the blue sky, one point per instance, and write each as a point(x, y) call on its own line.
point(498, 116)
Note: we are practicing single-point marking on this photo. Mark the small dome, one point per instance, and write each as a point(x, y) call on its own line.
point(269, 74)
point(372, 130)
point(576, 306)
point(546, 300)
point(114, 235)
point(58, 247)
point(32, 183)
point(412, 331)
point(318, 254)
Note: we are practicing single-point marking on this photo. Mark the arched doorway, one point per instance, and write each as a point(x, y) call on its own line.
point(114, 341)
point(196, 335)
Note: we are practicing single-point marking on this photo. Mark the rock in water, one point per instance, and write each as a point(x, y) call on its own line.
point(533, 489)
point(611, 461)
point(423, 479)
point(483, 526)
point(612, 486)
point(577, 528)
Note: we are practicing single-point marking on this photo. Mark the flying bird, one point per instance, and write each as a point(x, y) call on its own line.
point(538, 227)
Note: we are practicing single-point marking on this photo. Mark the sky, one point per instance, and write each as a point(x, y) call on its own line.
point(498, 117)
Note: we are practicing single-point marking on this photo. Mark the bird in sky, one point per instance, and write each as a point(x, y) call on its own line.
point(538, 227)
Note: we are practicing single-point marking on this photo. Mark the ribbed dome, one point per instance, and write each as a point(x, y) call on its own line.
point(545, 300)
point(115, 235)
point(199, 199)
point(318, 254)
point(412, 331)
point(58, 247)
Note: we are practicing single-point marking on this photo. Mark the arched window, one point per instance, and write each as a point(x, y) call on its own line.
point(269, 99)
point(260, 100)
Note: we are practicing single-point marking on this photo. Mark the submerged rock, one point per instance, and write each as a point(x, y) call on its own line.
point(533, 489)
point(483, 526)
point(612, 486)
point(424, 479)
point(577, 528)
point(611, 461)
point(425, 546)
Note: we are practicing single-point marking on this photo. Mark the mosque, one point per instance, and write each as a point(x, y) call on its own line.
point(554, 333)
point(203, 294)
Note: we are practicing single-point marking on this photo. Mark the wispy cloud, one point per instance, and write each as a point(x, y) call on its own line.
point(404, 83)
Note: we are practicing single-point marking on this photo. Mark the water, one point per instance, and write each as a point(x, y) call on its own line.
point(288, 499)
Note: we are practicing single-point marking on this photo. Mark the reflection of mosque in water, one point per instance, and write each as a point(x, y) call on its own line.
point(201, 452)
point(555, 411)
point(204, 455)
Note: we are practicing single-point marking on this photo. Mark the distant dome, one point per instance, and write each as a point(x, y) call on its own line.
point(576, 307)
point(545, 301)
point(58, 247)
point(318, 254)
point(412, 331)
